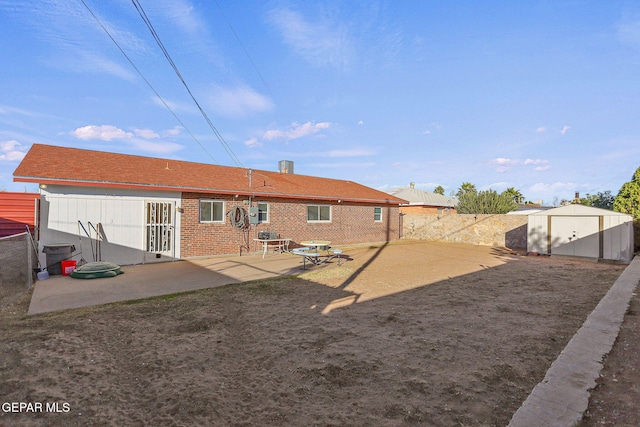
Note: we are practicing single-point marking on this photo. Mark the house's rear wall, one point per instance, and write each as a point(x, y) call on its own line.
point(350, 224)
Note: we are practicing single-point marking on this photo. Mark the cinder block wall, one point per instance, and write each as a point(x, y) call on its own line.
point(350, 224)
point(486, 230)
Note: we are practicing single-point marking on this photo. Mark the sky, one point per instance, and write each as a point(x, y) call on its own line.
point(542, 96)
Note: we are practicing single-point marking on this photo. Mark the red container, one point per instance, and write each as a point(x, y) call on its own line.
point(68, 266)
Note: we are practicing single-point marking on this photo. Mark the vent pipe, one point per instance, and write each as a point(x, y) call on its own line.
point(285, 166)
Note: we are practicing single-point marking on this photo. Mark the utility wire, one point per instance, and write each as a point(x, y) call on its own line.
point(147, 82)
point(243, 48)
point(156, 37)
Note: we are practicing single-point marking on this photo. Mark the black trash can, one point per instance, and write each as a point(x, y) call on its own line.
point(57, 253)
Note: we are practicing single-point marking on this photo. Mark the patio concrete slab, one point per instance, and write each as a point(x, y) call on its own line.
point(149, 280)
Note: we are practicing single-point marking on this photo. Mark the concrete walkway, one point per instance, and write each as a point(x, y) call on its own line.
point(563, 395)
point(149, 280)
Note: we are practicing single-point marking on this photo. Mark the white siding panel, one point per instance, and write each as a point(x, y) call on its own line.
point(121, 214)
point(537, 234)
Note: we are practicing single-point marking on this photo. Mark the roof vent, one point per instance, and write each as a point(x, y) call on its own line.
point(285, 166)
point(412, 185)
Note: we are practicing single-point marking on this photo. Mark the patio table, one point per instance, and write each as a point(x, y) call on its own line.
point(281, 245)
point(314, 245)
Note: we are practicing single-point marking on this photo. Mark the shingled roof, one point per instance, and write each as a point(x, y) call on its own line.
point(46, 164)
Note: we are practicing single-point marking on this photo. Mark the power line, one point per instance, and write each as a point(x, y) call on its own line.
point(255, 67)
point(147, 81)
point(156, 37)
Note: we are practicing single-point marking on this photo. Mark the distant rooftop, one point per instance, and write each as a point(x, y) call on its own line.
point(424, 198)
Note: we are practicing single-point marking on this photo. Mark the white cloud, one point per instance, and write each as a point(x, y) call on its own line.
point(172, 132)
point(253, 142)
point(5, 109)
point(296, 131)
point(239, 101)
point(426, 132)
point(320, 43)
point(140, 139)
point(554, 188)
point(504, 161)
point(182, 14)
point(565, 128)
point(535, 162)
point(541, 129)
point(540, 164)
point(360, 122)
point(503, 164)
point(12, 151)
point(103, 133)
point(146, 133)
point(497, 186)
point(175, 107)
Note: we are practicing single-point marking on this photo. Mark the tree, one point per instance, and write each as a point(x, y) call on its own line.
point(466, 187)
point(515, 195)
point(602, 200)
point(439, 190)
point(484, 202)
point(628, 198)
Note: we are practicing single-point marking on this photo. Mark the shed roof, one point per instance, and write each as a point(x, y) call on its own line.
point(578, 210)
point(421, 197)
point(47, 164)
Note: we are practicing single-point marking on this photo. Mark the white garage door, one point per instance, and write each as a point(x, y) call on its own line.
point(576, 236)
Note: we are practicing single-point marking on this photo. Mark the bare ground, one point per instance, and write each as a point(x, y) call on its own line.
point(402, 334)
point(615, 402)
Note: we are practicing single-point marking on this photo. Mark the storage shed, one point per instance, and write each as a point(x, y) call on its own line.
point(581, 231)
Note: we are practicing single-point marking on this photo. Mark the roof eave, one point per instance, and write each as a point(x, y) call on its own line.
point(240, 192)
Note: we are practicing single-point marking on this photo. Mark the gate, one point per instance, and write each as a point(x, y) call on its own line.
point(159, 227)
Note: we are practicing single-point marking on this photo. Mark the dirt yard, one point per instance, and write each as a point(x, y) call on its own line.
point(615, 402)
point(403, 334)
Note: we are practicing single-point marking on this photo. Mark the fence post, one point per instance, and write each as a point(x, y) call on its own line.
point(29, 248)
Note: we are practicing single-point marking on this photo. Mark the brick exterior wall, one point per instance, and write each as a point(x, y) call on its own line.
point(350, 224)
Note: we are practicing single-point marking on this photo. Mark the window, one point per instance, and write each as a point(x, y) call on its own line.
point(263, 212)
point(377, 214)
point(211, 211)
point(318, 213)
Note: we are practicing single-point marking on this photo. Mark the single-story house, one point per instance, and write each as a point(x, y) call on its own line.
point(424, 202)
point(582, 231)
point(141, 209)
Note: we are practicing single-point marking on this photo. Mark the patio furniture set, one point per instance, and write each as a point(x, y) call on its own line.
point(312, 250)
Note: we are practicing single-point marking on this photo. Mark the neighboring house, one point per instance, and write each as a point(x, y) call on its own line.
point(17, 212)
point(424, 202)
point(149, 209)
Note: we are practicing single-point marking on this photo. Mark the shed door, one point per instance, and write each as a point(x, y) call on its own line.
point(576, 236)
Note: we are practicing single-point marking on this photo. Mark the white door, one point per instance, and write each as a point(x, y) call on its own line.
point(160, 227)
point(576, 236)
